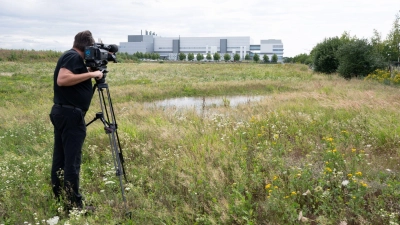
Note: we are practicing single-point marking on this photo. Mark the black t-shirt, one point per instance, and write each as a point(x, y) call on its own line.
point(78, 95)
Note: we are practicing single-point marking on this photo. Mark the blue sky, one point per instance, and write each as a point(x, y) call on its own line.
point(300, 24)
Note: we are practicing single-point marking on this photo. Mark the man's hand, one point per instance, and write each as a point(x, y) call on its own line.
point(97, 74)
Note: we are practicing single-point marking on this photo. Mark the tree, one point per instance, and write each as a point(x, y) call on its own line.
point(182, 56)
point(274, 58)
point(247, 57)
point(217, 56)
point(256, 58)
point(266, 58)
point(302, 58)
point(393, 40)
point(227, 57)
point(190, 56)
point(199, 57)
point(358, 58)
point(236, 57)
point(208, 57)
point(288, 59)
point(377, 43)
point(324, 55)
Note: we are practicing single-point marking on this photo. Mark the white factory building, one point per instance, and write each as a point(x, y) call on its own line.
point(170, 47)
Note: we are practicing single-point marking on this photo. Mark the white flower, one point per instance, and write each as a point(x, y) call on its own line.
point(307, 192)
point(389, 170)
point(345, 182)
point(53, 221)
point(110, 182)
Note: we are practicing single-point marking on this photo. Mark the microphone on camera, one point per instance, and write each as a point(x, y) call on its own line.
point(113, 48)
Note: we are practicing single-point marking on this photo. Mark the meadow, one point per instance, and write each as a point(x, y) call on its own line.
point(318, 149)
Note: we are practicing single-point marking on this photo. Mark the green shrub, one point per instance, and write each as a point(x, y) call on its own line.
point(384, 76)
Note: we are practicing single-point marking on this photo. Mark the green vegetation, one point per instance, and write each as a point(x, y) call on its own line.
point(317, 149)
point(353, 57)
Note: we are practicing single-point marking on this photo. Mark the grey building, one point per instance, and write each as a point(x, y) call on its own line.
point(170, 47)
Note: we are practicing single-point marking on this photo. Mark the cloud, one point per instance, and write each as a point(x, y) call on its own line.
point(300, 24)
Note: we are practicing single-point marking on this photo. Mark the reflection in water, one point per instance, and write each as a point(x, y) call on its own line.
point(202, 102)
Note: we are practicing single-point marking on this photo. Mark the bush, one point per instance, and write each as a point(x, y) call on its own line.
point(358, 58)
point(384, 76)
point(324, 55)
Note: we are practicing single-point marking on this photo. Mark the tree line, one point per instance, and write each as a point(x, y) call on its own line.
point(350, 56)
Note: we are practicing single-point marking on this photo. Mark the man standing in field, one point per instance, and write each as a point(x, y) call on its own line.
point(72, 96)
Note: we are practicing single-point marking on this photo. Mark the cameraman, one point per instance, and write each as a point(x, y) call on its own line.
point(72, 96)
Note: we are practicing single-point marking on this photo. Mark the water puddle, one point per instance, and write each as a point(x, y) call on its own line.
point(201, 103)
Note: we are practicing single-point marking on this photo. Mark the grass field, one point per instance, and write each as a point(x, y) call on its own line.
point(317, 149)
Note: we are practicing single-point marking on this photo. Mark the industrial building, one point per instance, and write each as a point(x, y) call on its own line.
point(170, 47)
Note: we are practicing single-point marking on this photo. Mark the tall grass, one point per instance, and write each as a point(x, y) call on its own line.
point(316, 150)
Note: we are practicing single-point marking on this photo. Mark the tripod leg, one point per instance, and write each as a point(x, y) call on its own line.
point(111, 129)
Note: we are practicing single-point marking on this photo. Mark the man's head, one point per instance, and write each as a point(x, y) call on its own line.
point(83, 39)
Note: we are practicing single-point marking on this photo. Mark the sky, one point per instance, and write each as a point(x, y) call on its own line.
point(300, 24)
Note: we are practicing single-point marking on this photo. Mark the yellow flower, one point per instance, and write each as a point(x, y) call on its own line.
point(334, 150)
point(364, 184)
point(293, 193)
point(275, 177)
point(268, 186)
point(329, 170)
point(359, 174)
point(349, 175)
point(353, 150)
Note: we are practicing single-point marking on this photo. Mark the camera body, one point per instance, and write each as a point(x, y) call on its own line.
point(97, 57)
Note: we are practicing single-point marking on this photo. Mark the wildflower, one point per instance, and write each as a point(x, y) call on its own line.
point(293, 193)
point(334, 150)
point(329, 170)
point(299, 175)
point(345, 182)
point(275, 178)
point(53, 221)
point(364, 184)
point(353, 150)
point(268, 186)
point(349, 175)
point(359, 174)
point(276, 136)
point(307, 192)
point(109, 182)
point(318, 189)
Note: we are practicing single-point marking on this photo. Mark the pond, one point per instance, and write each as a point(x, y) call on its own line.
point(201, 103)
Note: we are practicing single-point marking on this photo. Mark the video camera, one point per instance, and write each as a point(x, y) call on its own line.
point(98, 55)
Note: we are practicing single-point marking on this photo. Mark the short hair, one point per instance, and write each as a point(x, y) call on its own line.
point(83, 39)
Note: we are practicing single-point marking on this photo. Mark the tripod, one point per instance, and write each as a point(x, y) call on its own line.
point(110, 127)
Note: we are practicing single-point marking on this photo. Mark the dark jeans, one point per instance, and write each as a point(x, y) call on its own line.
point(69, 135)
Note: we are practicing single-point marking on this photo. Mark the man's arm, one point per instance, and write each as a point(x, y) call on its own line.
point(67, 78)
